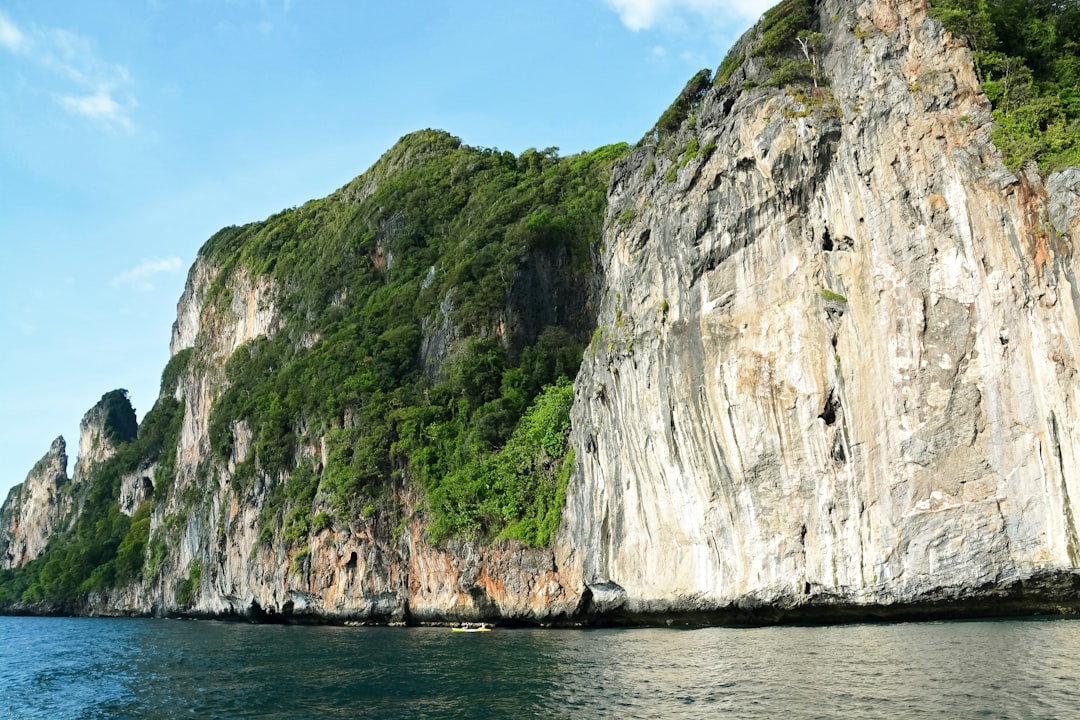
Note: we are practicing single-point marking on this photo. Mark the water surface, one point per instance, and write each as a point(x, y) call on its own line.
point(96, 668)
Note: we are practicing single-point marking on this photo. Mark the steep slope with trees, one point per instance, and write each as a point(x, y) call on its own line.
point(822, 323)
point(1027, 55)
point(394, 358)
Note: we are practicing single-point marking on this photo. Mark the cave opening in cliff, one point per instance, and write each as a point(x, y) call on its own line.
point(828, 414)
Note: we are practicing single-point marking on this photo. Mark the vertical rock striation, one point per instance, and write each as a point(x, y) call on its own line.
point(835, 375)
point(216, 558)
point(48, 501)
point(839, 351)
point(35, 509)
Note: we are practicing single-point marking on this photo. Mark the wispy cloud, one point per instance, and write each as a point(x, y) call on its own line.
point(100, 106)
point(141, 277)
point(11, 38)
point(90, 86)
point(271, 14)
point(643, 14)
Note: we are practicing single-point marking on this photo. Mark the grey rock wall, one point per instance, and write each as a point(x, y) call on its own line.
point(839, 352)
point(835, 374)
point(34, 510)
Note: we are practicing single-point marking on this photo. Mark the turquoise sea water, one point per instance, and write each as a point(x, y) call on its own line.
point(94, 668)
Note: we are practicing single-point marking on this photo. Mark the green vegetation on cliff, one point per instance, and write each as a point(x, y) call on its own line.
point(432, 313)
point(432, 253)
point(427, 306)
point(785, 42)
point(119, 423)
point(519, 489)
point(1027, 54)
point(104, 548)
point(688, 100)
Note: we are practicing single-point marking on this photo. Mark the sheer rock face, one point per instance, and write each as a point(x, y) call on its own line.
point(136, 488)
point(839, 353)
point(836, 366)
point(250, 311)
point(96, 443)
point(213, 332)
point(48, 501)
point(35, 509)
point(378, 569)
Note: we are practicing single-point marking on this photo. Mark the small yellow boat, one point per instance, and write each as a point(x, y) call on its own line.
point(471, 628)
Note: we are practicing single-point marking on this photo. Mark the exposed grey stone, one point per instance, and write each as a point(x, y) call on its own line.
point(759, 443)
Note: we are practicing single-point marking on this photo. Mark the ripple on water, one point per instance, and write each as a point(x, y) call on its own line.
point(77, 668)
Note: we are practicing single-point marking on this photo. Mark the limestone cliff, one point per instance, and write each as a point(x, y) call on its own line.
point(220, 542)
point(834, 375)
point(47, 502)
point(840, 351)
point(35, 509)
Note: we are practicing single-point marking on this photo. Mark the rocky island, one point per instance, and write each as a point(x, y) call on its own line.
point(807, 352)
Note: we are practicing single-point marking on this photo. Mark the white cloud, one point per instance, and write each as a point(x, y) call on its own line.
point(10, 36)
point(96, 88)
point(100, 106)
point(637, 14)
point(141, 276)
point(643, 14)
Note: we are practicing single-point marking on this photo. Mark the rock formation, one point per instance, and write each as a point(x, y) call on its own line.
point(839, 362)
point(35, 509)
point(834, 375)
point(47, 502)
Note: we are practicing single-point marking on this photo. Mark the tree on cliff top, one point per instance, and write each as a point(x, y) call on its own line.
point(1027, 55)
point(118, 417)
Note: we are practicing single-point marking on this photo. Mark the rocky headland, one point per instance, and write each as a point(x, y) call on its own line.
point(830, 374)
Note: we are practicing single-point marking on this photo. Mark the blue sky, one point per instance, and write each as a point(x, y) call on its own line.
point(132, 130)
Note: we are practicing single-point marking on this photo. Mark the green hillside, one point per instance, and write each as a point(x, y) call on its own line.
point(446, 225)
point(433, 314)
point(484, 258)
